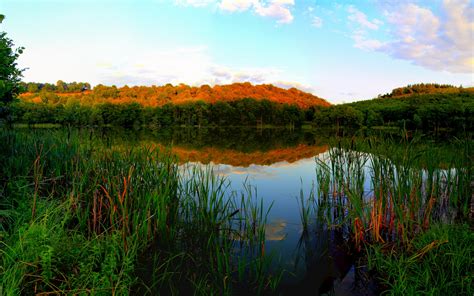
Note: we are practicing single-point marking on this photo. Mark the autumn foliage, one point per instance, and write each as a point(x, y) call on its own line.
point(245, 159)
point(154, 96)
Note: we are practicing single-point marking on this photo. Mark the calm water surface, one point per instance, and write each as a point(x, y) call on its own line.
point(280, 165)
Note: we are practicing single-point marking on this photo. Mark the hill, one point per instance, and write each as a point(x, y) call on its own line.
point(425, 88)
point(425, 108)
point(153, 96)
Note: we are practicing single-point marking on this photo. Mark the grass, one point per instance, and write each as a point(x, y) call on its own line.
point(82, 216)
point(395, 191)
point(405, 205)
point(439, 262)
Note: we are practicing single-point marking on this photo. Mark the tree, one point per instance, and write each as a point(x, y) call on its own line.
point(61, 86)
point(10, 74)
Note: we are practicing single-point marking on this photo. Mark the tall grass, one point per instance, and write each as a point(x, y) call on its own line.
point(81, 215)
point(389, 193)
point(393, 196)
point(440, 262)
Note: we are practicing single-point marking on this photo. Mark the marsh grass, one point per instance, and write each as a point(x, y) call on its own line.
point(390, 192)
point(402, 201)
point(81, 215)
point(440, 262)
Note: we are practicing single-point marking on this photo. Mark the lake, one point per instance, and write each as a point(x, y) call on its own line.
point(279, 166)
point(307, 180)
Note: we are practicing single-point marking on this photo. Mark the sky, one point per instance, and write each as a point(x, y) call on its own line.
point(342, 51)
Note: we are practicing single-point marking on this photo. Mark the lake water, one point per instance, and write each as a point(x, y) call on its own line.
point(280, 165)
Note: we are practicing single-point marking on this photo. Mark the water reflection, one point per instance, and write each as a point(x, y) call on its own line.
point(280, 164)
point(276, 230)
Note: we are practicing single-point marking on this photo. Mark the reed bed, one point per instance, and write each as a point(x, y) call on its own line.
point(388, 191)
point(393, 199)
point(80, 215)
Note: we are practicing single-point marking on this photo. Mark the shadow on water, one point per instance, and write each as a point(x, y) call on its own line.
point(327, 264)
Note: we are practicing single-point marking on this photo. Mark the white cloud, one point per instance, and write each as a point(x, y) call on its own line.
point(236, 5)
point(185, 64)
point(225, 75)
point(362, 41)
point(276, 9)
point(360, 18)
point(316, 22)
point(444, 42)
point(191, 65)
point(300, 86)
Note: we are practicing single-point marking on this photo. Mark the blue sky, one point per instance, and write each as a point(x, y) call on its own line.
point(339, 50)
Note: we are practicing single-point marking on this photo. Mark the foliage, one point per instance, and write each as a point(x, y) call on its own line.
point(426, 107)
point(10, 74)
point(81, 215)
point(245, 112)
point(422, 88)
point(406, 220)
point(154, 96)
point(440, 262)
point(426, 112)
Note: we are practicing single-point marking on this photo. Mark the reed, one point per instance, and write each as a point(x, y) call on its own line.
point(391, 194)
point(403, 202)
point(98, 211)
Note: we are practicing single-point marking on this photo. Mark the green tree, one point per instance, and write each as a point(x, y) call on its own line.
point(10, 74)
point(32, 87)
point(61, 86)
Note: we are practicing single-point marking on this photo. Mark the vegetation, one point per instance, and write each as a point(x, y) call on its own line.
point(426, 112)
point(135, 222)
point(9, 73)
point(439, 262)
point(119, 210)
point(154, 96)
point(245, 112)
point(425, 107)
point(80, 214)
point(408, 218)
point(423, 88)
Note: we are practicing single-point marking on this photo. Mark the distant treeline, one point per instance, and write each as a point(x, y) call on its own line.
point(155, 96)
point(422, 88)
point(423, 109)
point(245, 112)
point(428, 112)
point(59, 87)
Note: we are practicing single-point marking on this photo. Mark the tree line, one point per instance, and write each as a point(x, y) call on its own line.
point(155, 96)
point(59, 87)
point(427, 107)
point(245, 112)
point(422, 88)
point(427, 112)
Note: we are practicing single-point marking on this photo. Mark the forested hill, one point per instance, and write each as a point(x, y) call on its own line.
point(153, 96)
point(427, 109)
point(425, 88)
